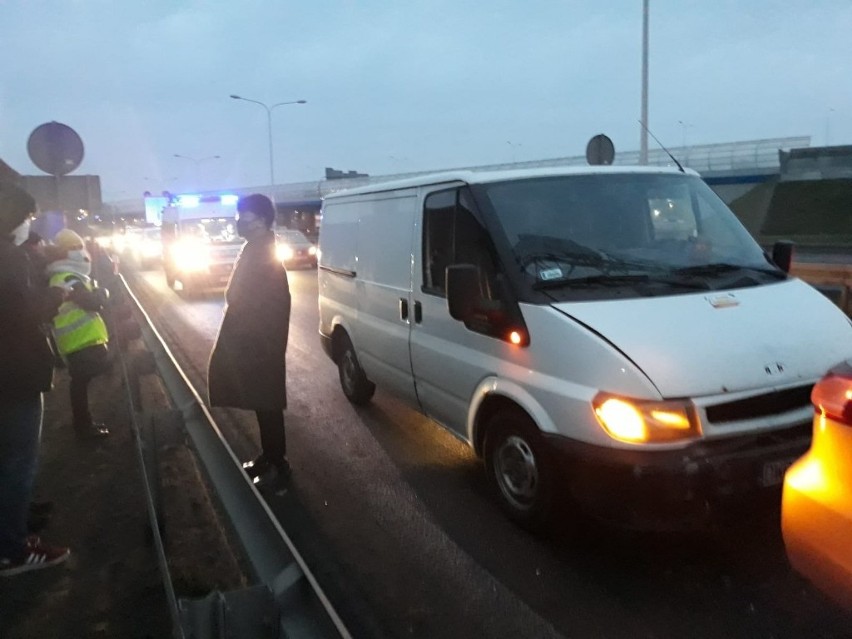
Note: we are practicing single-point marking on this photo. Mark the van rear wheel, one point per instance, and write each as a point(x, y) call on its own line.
point(357, 388)
point(520, 469)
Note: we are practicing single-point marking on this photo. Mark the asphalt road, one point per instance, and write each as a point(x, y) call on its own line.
point(395, 517)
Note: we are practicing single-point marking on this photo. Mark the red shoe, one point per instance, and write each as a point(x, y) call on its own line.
point(38, 556)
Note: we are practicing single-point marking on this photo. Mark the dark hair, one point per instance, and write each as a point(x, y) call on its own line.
point(15, 205)
point(260, 205)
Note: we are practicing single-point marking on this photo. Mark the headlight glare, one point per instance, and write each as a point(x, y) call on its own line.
point(191, 256)
point(645, 422)
point(622, 420)
point(283, 252)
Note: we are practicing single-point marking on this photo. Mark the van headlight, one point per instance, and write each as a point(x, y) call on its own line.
point(191, 256)
point(284, 253)
point(645, 422)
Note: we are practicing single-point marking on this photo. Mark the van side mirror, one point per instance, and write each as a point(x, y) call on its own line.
point(462, 290)
point(782, 254)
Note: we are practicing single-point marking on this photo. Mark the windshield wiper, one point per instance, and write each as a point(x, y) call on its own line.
point(617, 280)
point(719, 268)
point(590, 257)
point(574, 258)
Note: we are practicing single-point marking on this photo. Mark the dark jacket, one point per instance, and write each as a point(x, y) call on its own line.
point(26, 363)
point(247, 368)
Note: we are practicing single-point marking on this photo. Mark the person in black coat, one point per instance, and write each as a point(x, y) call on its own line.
point(26, 371)
point(247, 368)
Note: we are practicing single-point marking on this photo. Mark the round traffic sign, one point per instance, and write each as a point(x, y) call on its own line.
point(55, 148)
point(600, 150)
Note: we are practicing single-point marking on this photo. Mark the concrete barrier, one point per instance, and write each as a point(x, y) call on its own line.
point(834, 280)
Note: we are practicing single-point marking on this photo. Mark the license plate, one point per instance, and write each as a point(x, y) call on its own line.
point(773, 472)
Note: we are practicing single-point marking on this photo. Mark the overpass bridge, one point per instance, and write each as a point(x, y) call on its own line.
point(780, 188)
point(728, 167)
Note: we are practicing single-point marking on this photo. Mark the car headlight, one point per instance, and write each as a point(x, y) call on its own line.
point(191, 256)
point(645, 422)
point(284, 252)
point(312, 250)
point(151, 249)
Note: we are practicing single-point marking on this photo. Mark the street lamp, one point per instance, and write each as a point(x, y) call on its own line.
point(514, 146)
point(643, 140)
point(683, 127)
point(196, 162)
point(269, 127)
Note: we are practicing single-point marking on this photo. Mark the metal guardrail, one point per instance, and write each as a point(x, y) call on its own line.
point(284, 578)
point(150, 493)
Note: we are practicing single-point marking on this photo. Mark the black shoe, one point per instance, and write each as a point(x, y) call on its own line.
point(256, 467)
point(92, 431)
point(283, 468)
point(274, 476)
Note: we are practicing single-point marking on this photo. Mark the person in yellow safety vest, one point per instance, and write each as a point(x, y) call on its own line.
point(79, 330)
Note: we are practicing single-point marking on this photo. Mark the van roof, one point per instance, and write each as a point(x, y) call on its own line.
point(482, 177)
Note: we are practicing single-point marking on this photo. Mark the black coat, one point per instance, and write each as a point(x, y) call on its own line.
point(26, 363)
point(247, 368)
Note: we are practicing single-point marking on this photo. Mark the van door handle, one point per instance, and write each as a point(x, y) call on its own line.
point(418, 312)
point(403, 309)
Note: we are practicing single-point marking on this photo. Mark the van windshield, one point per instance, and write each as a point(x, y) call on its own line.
point(666, 232)
point(215, 230)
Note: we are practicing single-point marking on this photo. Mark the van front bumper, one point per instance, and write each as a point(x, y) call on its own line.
point(677, 488)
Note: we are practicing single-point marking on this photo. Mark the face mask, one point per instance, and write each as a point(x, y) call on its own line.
point(245, 227)
point(80, 255)
point(21, 233)
point(242, 227)
point(82, 259)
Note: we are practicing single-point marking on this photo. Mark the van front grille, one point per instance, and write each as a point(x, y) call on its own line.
point(773, 403)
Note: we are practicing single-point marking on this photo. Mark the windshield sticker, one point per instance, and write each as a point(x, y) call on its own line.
point(550, 274)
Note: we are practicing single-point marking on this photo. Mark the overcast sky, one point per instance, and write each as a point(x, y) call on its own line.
point(397, 85)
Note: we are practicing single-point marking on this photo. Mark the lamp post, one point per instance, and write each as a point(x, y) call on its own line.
point(683, 127)
point(269, 127)
point(196, 162)
point(514, 146)
point(828, 126)
point(643, 140)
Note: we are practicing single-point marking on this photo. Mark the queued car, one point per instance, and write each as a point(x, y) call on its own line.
point(295, 250)
point(816, 515)
point(139, 245)
point(146, 247)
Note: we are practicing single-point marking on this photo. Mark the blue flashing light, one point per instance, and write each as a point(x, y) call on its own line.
point(188, 201)
point(229, 200)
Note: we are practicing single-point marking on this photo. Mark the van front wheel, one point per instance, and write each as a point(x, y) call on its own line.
point(357, 388)
point(519, 467)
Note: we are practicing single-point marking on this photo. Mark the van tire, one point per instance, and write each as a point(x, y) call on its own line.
point(520, 469)
point(353, 380)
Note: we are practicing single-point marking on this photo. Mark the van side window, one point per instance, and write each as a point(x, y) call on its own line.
point(438, 235)
point(452, 235)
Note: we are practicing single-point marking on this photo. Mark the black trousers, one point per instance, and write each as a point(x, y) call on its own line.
point(83, 367)
point(273, 441)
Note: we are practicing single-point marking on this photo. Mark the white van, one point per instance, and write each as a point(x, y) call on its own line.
point(605, 335)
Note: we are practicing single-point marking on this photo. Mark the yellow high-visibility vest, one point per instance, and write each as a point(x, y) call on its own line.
point(74, 328)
